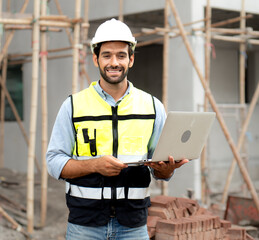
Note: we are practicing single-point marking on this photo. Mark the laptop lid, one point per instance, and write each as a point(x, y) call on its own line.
point(183, 136)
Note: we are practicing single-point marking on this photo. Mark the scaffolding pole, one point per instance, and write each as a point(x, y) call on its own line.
point(204, 186)
point(44, 114)
point(33, 116)
point(76, 47)
point(164, 186)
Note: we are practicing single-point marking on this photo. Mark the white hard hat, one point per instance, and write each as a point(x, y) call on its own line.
point(113, 30)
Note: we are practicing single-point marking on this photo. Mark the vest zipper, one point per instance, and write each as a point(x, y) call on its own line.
point(115, 131)
point(114, 153)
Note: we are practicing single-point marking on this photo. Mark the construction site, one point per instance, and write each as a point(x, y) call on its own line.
point(193, 55)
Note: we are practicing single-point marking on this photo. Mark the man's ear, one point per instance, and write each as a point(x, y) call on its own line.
point(95, 60)
point(131, 60)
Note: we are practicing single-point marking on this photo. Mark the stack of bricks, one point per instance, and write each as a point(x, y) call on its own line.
point(171, 218)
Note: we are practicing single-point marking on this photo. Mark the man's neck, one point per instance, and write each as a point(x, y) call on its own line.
point(115, 90)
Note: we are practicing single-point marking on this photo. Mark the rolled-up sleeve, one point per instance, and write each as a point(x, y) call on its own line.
point(61, 141)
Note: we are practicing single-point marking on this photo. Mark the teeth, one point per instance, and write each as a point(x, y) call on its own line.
point(113, 71)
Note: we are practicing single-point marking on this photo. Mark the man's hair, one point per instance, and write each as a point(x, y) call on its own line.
point(98, 47)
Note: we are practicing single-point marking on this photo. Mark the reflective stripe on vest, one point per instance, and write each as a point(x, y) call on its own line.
point(105, 193)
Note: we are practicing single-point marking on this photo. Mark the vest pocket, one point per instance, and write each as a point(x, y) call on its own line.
point(86, 142)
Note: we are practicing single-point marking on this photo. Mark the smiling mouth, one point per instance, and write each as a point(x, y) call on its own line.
point(114, 70)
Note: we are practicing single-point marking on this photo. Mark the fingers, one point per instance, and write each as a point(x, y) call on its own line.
point(171, 163)
point(117, 163)
point(110, 166)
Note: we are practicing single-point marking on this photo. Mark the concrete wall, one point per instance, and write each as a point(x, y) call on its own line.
point(225, 87)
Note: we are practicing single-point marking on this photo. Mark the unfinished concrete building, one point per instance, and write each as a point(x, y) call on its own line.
point(223, 40)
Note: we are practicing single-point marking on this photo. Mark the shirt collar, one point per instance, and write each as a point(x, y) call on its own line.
point(107, 96)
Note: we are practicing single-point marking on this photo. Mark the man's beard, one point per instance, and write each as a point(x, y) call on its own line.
point(111, 80)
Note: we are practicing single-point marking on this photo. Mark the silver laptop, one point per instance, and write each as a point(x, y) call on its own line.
point(183, 136)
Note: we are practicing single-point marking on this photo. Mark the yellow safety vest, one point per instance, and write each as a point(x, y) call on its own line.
point(122, 131)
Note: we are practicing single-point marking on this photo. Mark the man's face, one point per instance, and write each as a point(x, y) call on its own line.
point(114, 62)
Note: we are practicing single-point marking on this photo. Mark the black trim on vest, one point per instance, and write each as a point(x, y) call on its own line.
point(115, 131)
point(136, 116)
point(153, 100)
point(110, 117)
point(92, 118)
point(72, 116)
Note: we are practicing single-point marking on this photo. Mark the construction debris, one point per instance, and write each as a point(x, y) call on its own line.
point(241, 211)
point(183, 219)
point(13, 216)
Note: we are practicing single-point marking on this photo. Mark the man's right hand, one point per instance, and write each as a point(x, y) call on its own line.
point(106, 165)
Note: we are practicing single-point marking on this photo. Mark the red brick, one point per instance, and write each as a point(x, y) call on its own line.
point(178, 212)
point(196, 235)
point(185, 213)
point(172, 213)
point(182, 236)
point(188, 224)
point(210, 235)
point(159, 212)
point(190, 236)
point(191, 210)
point(200, 236)
point(170, 227)
point(184, 226)
point(164, 236)
point(220, 232)
point(162, 201)
point(152, 221)
point(211, 222)
point(216, 222)
point(213, 234)
point(225, 224)
point(151, 232)
point(185, 202)
point(177, 203)
point(226, 237)
point(237, 233)
point(202, 222)
point(203, 211)
point(194, 224)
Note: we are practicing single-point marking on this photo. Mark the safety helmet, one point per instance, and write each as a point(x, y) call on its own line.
point(113, 30)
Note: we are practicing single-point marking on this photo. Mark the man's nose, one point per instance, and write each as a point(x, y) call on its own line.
point(114, 61)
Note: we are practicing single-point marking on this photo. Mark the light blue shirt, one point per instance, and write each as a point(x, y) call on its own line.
point(61, 144)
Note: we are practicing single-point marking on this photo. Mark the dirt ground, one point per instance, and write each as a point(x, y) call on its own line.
point(13, 187)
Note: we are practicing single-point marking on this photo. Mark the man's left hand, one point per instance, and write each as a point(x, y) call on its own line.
point(165, 170)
